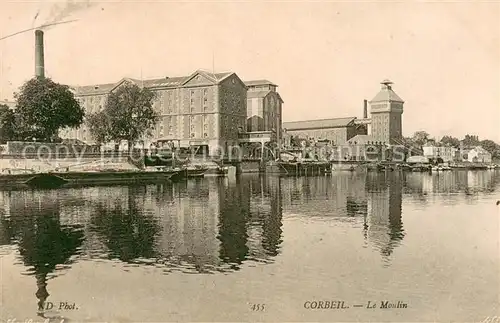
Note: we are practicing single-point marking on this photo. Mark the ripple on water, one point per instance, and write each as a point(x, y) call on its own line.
point(406, 235)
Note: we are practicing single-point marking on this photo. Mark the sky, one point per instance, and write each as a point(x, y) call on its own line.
point(326, 57)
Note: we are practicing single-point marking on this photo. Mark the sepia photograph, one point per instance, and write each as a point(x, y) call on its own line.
point(249, 161)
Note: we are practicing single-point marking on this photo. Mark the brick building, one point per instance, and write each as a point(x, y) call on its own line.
point(386, 112)
point(264, 106)
point(203, 109)
point(337, 130)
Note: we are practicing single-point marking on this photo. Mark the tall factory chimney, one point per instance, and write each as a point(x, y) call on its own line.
point(39, 56)
point(365, 109)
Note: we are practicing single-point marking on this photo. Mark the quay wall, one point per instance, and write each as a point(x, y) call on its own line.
point(28, 157)
point(49, 149)
point(16, 164)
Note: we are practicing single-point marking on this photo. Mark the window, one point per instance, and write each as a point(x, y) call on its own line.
point(192, 135)
point(205, 135)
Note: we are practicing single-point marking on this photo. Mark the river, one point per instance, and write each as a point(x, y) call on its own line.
point(256, 248)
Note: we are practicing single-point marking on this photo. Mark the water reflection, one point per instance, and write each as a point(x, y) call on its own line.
point(45, 245)
point(376, 199)
point(467, 182)
point(211, 225)
point(126, 232)
point(199, 225)
point(384, 227)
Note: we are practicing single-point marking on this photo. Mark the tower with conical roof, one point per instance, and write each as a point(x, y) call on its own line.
point(386, 110)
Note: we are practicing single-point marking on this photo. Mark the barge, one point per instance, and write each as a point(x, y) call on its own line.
point(189, 172)
point(302, 168)
point(55, 179)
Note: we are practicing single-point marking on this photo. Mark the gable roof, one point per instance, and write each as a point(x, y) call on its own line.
point(259, 82)
point(318, 124)
point(214, 77)
point(99, 89)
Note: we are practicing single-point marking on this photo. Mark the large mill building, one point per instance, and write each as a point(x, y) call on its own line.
point(204, 109)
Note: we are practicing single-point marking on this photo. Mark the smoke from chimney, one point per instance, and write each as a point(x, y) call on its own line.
point(365, 109)
point(39, 55)
point(60, 10)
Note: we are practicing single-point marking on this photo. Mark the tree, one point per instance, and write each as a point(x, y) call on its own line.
point(470, 140)
point(420, 137)
point(449, 140)
point(489, 145)
point(492, 147)
point(44, 107)
point(6, 124)
point(127, 115)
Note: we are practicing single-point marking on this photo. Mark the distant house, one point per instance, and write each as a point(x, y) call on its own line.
point(444, 153)
point(476, 155)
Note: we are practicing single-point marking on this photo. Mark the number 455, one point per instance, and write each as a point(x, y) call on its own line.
point(258, 307)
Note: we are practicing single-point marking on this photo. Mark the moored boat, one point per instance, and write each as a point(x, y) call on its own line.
point(304, 168)
point(108, 177)
point(196, 171)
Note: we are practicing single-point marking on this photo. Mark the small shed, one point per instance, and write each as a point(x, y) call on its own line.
point(417, 160)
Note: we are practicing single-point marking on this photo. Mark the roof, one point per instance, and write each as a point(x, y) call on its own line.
point(480, 149)
point(259, 82)
point(150, 83)
point(417, 159)
point(257, 94)
point(386, 93)
point(318, 124)
point(361, 139)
